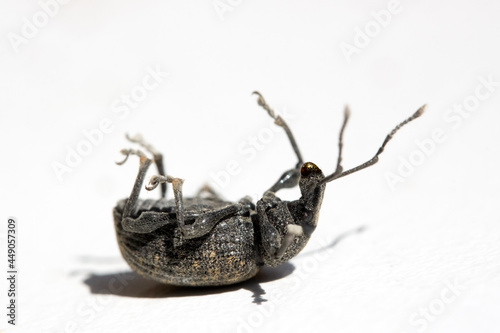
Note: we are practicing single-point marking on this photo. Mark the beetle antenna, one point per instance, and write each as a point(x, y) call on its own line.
point(338, 174)
point(338, 168)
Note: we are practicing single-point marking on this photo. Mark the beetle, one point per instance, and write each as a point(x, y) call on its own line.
point(207, 241)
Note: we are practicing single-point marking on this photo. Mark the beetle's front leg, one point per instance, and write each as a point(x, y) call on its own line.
point(271, 240)
point(291, 177)
point(274, 241)
point(288, 179)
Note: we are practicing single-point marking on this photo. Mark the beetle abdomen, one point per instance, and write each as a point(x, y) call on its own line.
point(224, 256)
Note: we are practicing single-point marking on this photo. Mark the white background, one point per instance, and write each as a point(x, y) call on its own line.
point(420, 255)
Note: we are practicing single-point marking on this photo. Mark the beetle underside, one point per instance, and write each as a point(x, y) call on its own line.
point(224, 256)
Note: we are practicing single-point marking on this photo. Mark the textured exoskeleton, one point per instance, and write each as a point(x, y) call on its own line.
point(207, 241)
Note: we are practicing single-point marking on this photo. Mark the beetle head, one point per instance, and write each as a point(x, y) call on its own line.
point(310, 177)
point(293, 233)
point(312, 191)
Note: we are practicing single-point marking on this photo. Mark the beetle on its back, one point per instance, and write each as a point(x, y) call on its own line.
point(206, 241)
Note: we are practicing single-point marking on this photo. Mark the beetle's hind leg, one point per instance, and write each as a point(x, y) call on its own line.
point(139, 180)
point(148, 221)
point(291, 177)
point(157, 156)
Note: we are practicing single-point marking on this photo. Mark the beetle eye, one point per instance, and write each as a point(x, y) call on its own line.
point(309, 168)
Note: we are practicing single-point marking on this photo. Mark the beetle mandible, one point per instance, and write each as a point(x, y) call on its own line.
point(206, 241)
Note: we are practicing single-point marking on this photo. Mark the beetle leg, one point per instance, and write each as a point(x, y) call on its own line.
point(177, 187)
point(246, 205)
point(147, 222)
point(280, 122)
point(272, 241)
point(207, 192)
point(288, 179)
point(291, 177)
point(206, 222)
point(143, 168)
point(157, 156)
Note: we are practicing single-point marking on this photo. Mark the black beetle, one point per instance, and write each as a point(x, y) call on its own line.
point(206, 241)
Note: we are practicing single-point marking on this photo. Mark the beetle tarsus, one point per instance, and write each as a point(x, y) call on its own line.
point(157, 156)
point(177, 186)
point(128, 152)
